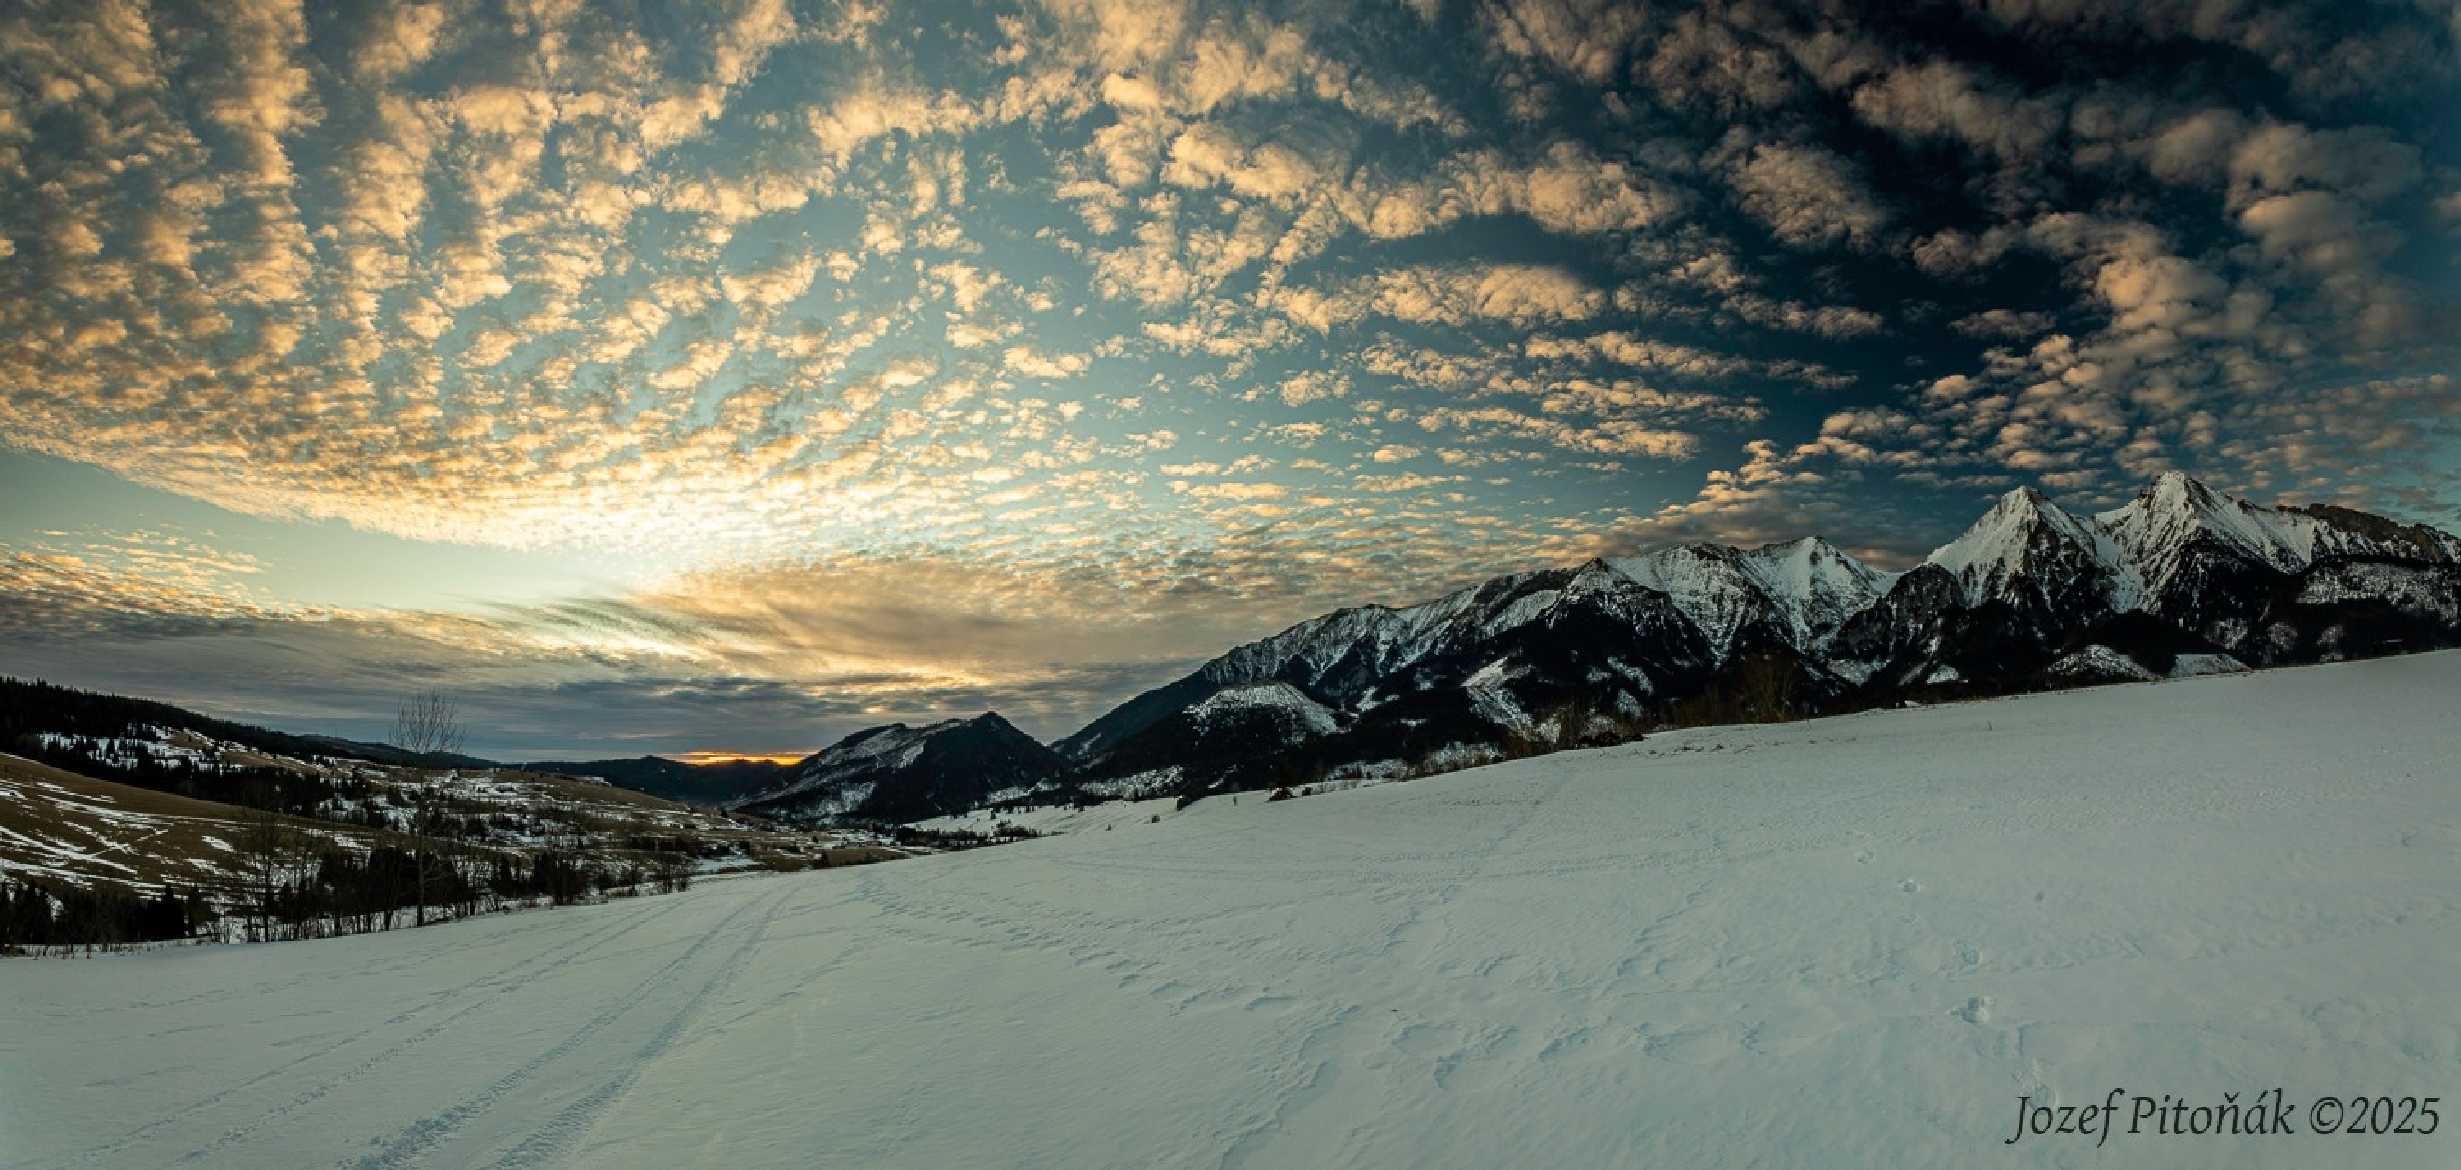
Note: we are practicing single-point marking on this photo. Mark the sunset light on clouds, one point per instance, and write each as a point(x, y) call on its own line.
point(723, 378)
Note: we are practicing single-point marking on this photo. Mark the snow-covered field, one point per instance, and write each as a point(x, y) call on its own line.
point(1848, 942)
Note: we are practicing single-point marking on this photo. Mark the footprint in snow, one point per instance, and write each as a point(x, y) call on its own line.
point(1977, 1010)
point(1910, 886)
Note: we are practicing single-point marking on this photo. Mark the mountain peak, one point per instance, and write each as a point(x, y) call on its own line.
point(2179, 489)
point(2023, 526)
point(907, 771)
point(2158, 527)
point(2026, 500)
point(2004, 529)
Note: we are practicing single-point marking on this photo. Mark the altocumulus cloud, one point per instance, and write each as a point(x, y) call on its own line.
point(932, 356)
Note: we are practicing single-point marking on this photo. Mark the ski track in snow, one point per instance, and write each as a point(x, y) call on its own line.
point(1844, 942)
point(470, 996)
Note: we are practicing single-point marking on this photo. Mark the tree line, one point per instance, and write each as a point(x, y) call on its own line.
point(276, 789)
point(294, 882)
point(295, 887)
point(322, 894)
point(62, 915)
point(29, 706)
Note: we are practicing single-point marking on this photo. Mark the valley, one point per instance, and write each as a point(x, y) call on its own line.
point(1846, 940)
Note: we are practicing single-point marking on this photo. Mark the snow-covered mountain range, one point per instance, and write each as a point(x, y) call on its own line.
point(2179, 580)
point(902, 773)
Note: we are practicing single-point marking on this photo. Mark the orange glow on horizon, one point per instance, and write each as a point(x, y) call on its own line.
point(737, 757)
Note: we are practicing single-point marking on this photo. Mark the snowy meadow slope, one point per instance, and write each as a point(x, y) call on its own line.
point(1850, 941)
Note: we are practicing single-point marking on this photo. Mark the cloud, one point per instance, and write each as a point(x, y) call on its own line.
point(1237, 492)
point(1570, 190)
point(2219, 146)
point(1205, 155)
point(398, 40)
point(2318, 57)
point(262, 91)
point(1124, 34)
point(1953, 252)
point(2004, 323)
point(1609, 437)
point(1312, 386)
point(1584, 38)
point(1519, 294)
point(1034, 363)
point(1824, 320)
point(1944, 99)
point(1808, 196)
point(770, 286)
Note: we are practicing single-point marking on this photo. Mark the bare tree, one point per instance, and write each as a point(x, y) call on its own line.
point(268, 847)
point(1765, 689)
point(428, 724)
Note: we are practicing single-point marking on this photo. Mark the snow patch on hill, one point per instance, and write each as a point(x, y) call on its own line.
point(2192, 665)
point(1302, 713)
point(2098, 662)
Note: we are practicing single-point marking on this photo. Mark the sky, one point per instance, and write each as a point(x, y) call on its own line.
point(727, 378)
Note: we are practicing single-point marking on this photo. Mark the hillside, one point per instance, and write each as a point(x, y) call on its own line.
point(274, 846)
point(33, 707)
point(709, 785)
point(82, 832)
point(1893, 923)
point(902, 773)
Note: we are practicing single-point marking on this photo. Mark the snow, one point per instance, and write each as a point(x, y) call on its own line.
point(78, 836)
point(841, 800)
point(1814, 586)
point(1489, 697)
point(2026, 549)
point(2098, 661)
point(1377, 634)
point(1810, 586)
point(2154, 528)
point(1633, 676)
point(2411, 588)
point(1490, 676)
point(1305, 716)
point(1136, 785)
point(2192, 665)
point(126, 752)
point(868, 752)
point(1061, 818)
point(2145, 544)
point(1844, 942)
point(1986, 556)
point(1523, 610)
point(1707, 586)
